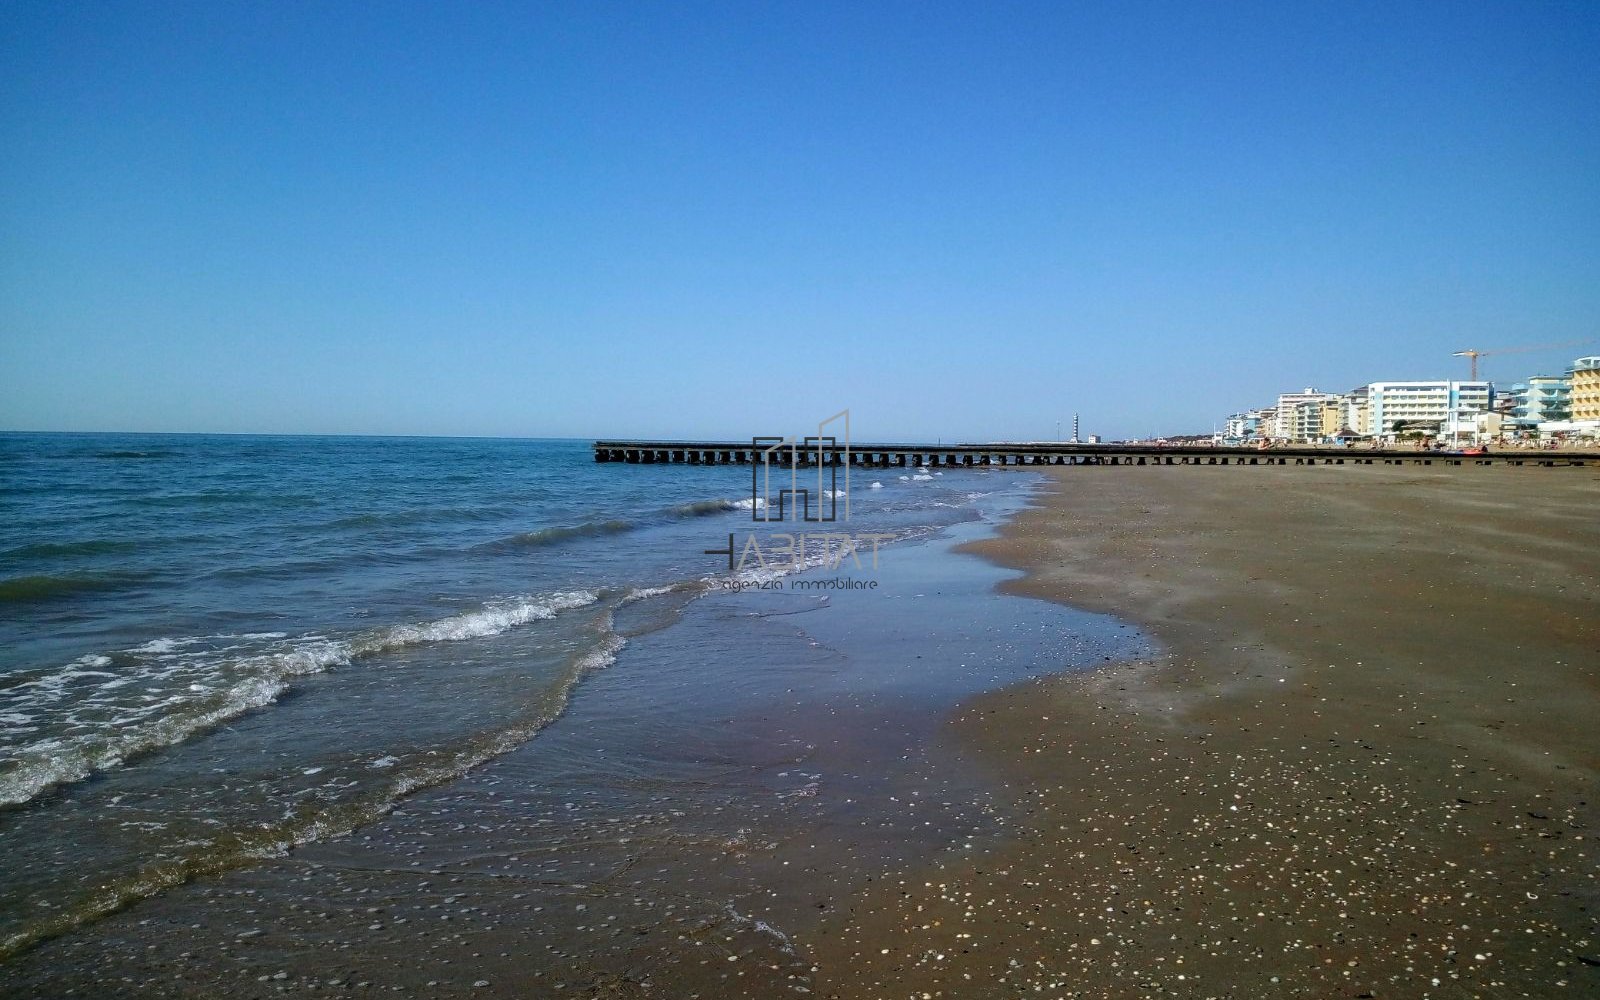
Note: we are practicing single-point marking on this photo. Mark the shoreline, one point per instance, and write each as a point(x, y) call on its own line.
point(682, 822)
point(1297, 793)
point(1362, 764)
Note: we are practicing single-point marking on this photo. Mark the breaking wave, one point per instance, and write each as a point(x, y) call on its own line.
point(103, 710)
point(310, 822)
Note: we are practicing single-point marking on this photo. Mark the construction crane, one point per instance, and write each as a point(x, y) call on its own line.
point(1475, 355)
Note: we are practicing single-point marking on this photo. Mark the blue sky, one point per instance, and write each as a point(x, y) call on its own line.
point(964, 221)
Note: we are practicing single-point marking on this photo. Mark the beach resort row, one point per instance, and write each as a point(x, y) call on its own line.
point(1563, 407)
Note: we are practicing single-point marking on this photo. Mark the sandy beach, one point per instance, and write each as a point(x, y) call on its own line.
point(1365, 765)
point(1358, 760)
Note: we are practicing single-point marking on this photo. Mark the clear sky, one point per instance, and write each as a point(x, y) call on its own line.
point(960, 220)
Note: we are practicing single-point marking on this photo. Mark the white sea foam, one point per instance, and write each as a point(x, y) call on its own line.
point(167, 645)
point(601, 656)
point(762, 927)
point(58, 684)
point(875, 485)
point(493, 619)
point(86, 742)
point(644, 593)
point(169, 690)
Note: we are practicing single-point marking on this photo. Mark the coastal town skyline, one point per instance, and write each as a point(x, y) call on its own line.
point(1548, 406)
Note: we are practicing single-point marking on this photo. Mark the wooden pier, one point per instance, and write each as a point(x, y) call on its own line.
point(911, 456)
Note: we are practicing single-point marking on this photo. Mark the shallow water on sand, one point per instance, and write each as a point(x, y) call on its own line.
point(678, 831)
point(215, 649)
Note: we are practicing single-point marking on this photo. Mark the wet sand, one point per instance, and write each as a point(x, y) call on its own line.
point(1364, 765)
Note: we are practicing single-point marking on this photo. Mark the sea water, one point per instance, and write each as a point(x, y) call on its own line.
point(217, 651)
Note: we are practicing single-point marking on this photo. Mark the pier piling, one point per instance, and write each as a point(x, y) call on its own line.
point(885, 456)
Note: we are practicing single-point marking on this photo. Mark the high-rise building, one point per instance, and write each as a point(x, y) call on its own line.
point(1291, 425)
point(1541, 398)
point(1318, 419)
point(1357, 411)
point(1446, 408)
point(1585, 382)
point(1330, 417)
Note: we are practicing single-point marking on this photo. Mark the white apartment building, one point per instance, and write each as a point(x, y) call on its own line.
point(1446, 408)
